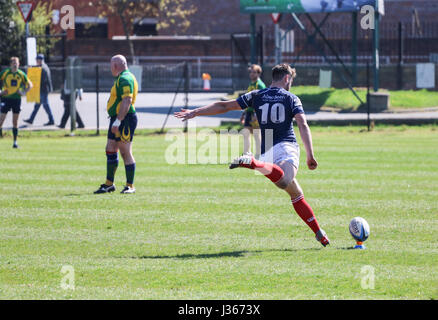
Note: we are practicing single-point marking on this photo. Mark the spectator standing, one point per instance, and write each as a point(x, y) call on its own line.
point(45, 87)
point(65, 96)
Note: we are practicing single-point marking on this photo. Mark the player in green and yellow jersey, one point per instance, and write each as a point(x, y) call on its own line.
point(14, 84)
point(123, 121)
point(249, 119)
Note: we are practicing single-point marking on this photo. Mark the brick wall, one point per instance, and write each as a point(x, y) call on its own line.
point(215, 17)
point(154, 47)
point(84, 9)
point(223, 17)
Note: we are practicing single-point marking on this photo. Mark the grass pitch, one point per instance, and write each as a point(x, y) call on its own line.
point(344, 99)
point(315, 98)
point(205, 232)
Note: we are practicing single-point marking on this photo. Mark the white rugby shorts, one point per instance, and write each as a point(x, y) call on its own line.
point(283, 151)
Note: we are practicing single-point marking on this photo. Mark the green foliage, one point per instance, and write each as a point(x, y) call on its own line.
point(168, 13)
point(10, 41)
point(41, 19)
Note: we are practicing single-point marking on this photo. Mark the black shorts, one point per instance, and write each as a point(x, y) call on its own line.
point(248, 116)
point(250, 120)
point(126, 129)
point(10, 104)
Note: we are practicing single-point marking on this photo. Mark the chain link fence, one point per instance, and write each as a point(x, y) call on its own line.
point(226, 76)
point(155, 77)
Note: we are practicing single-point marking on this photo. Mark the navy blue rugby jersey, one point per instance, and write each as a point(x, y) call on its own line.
point(275, 109)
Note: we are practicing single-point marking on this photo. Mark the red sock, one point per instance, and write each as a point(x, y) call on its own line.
point(306, 213)
point(269, 170)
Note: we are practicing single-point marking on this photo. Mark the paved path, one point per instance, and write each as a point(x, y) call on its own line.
point(152, 109)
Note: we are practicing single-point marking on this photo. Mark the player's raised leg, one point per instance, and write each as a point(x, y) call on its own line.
point(302, 208)
point(270, 170)
point(283, 175)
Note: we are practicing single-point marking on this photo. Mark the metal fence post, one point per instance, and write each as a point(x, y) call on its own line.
point(253, 39)
point(186, 90)
point(400, 57)
point(376, 54)
point(261, 46)
point(368, 97)
point(354, 49)
point(72, 88)
point(97, 99)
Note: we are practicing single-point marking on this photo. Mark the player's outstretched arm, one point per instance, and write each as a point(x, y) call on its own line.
point(210, 110)
point(306, 136)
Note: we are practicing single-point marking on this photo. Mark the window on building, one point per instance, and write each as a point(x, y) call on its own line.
point(91, 27)
point(145, 27)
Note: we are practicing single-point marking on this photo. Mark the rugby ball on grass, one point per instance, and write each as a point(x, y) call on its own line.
point(359, 229)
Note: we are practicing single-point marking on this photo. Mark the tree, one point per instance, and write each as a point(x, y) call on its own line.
point(41, 20)
point(10, 44)
point(167, 12)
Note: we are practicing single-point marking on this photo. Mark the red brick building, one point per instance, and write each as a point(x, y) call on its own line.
point(89, 21)
point(223, 17)
point(211, 26)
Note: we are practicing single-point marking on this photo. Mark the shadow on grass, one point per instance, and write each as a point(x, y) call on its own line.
point(232, 254)
point(360, 109)
point(235, 254)
point(314, 102)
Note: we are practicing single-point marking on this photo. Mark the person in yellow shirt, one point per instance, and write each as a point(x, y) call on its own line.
point(249, 118)
point(14, 84)
point(123, 122)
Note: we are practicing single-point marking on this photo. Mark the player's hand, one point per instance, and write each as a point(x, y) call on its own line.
point(185, 114)
point(4, 93)
point(114, 129)
point(312, 163)
point(21, 93)
point(115, 126)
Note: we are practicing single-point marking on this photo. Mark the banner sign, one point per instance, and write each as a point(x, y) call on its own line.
point(34, 75)
point(31, 50)
point(325, 79)
point(302, 6)
point(425, 75)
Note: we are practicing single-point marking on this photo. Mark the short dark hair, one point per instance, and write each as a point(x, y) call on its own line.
point(280, 70)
